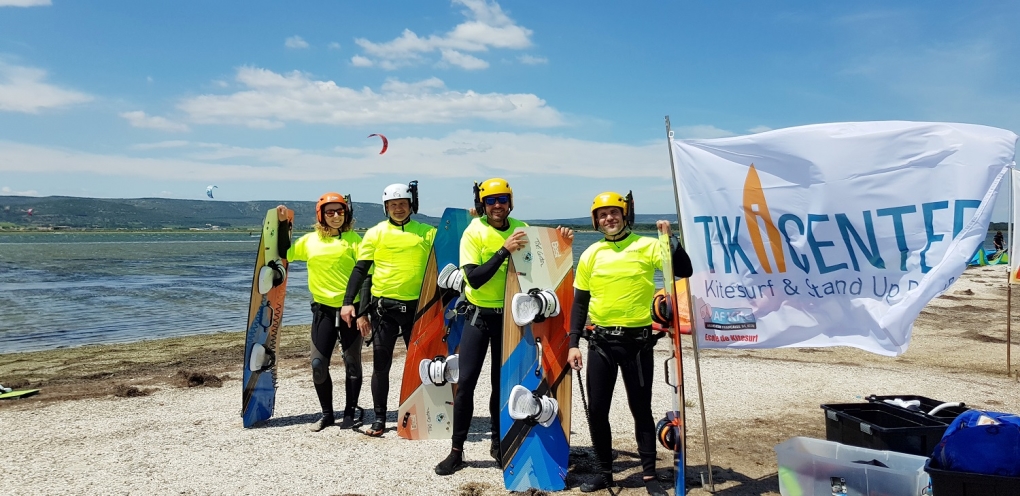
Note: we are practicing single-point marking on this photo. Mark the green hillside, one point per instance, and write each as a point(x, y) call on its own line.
point(159, 213)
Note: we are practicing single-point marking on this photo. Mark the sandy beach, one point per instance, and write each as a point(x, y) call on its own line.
point(163, 416)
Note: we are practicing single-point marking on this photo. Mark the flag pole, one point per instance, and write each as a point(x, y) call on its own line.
point(1009, 279)
point(690, 312)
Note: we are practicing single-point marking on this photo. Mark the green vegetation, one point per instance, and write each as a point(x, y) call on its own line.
point(113, 214)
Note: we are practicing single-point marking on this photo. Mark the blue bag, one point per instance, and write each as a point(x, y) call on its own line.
point(981, 442)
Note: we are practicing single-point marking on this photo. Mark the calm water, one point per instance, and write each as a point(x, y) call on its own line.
point(69, 289)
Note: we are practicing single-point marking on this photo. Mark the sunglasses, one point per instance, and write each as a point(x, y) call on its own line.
point(492, 200)
point(332, 213)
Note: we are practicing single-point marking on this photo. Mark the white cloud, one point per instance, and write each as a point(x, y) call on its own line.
point(759, 129)
point(536, 164)
point(23, 89)
point(487, 26)
point(333, 46)
point(461, 154)
point(25, 3)
point(160, 145)
point(138, 118)
point(295, 42)
point(416, 88)
point(532, 60)
point(701, 131)
point(269, 100)
point(6, 190)
point(463, 60)
point(359, 61)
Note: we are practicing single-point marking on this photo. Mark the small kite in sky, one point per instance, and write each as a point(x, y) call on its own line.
point(208, 190)
point(385, 143)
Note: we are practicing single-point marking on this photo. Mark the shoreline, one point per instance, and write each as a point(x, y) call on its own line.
point(163, 415)
point(116, 365)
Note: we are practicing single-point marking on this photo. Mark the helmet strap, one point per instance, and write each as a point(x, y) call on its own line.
point(395, 223)
point(479, 206)
point(412, 187)
point(501, 227)
point(618, 236)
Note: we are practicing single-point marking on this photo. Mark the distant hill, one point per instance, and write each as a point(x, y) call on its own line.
point(159, 213)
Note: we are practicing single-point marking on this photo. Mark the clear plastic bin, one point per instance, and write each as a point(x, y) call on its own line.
point(816, 467)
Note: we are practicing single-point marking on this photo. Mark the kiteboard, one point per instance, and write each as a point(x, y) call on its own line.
point(534, 377)
point(13, 394)
point(671, 430)
point(426, 405)
point(265, 312)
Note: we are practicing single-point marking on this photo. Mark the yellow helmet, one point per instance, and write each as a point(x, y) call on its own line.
point(492, 187)
point(613, 199)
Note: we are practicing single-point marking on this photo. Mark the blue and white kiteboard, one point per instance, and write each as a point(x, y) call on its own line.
point(265, 312)
point(535, 454)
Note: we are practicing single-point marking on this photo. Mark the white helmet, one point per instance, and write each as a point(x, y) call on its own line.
point(397, 191)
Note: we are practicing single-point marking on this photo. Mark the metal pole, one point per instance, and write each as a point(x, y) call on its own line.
point(1009, 279)
point(690, 311)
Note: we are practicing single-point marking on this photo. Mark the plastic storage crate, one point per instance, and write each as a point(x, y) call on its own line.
point(813, 466)
point(947, 414)
point(952, 483)
point(881, 426)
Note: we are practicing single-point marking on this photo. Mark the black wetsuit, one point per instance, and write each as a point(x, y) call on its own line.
point(390, 319)
point(485, 333)
point(327, 329)
point(325, 333)
point(631, 353)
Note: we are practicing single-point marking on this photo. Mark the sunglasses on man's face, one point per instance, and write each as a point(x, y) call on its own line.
point(492, 200)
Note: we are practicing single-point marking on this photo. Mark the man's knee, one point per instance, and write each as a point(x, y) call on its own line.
point(353, 368)
point(320, 370)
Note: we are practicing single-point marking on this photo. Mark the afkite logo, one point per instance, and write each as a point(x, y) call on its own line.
point(756, 208)
point(728, 319)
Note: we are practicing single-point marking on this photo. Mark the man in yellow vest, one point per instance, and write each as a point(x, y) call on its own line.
point(397, 249)
point(613, 285)
point(484, 249)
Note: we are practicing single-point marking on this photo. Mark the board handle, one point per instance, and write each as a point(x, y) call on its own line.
point(665, 370)
point(538, 366)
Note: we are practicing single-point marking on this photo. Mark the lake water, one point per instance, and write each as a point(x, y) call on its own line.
point(63, 289)
point(70, 289)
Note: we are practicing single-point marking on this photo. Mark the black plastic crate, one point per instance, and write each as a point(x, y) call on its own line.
point(882, 426)
point(952, 483)
point(947, 414)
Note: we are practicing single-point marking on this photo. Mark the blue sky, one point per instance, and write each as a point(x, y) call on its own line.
point(275, 100)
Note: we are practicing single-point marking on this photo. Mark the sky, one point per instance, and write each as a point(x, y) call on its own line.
point(275, 100)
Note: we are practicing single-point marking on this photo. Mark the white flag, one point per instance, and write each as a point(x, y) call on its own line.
point(833, 234)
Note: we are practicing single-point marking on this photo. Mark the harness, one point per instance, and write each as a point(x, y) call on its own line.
point(387, 305)
point(643, 337)
point(471, 312)
point(321, 311)
point(381, 306)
